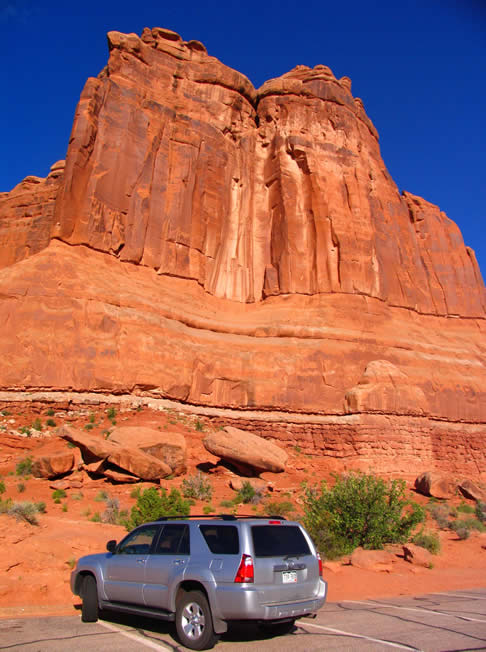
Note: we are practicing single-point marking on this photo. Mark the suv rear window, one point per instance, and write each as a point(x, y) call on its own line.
point(278, 541)
point(221, 539)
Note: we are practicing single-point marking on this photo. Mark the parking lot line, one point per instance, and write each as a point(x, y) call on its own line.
point(399, 646)
point(422, 610)
point(138, 639)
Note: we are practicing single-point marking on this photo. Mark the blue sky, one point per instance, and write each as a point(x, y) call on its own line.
point(418, 65)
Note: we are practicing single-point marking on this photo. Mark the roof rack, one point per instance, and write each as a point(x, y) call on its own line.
point(224, 517)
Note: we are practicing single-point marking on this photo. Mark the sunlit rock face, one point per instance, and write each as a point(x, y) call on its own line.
point(230, 247)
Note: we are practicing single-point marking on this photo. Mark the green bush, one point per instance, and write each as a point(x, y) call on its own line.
point(198, 487)
point(152, 505)
point(278, 508)
point(51, 423)
point(462, 532)
point(199, 426)
point(359, 510)
point(248, 494)
point(481, 511)
point(441, 513)
point(468, 523)
point(21, 487)
point(111, 413)
point(57, 494)
point(2, 487)
point(24, 467)
point(428, 540)
point(41, 507)
point(101, 496)
point(37, 425)
point(50, 412)
point(465, 508)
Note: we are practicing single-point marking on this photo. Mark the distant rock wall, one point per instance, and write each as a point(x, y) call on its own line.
point(239, 249)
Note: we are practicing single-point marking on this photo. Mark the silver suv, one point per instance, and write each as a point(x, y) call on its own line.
point(203, 572)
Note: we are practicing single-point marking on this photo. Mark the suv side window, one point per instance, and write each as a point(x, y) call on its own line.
point(138, 542)
point(221, 539)
point(174, 540)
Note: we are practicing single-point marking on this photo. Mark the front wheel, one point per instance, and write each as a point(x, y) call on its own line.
point(89, 609)
point(194, 622)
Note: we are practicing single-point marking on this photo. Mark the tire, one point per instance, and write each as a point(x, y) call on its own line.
point(278, 629)
point(89, 609)
point(194, 622)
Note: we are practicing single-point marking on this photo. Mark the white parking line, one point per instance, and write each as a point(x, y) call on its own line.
point(423, 610)
point(366, 638)
point(138, 639)
point(462, 595)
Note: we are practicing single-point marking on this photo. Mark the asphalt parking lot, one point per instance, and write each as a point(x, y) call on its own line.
point(436, 622)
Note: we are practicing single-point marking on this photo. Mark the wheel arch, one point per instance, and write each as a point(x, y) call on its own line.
point(220, 626)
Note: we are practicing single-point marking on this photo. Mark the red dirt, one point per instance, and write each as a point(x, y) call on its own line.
point(37, 560)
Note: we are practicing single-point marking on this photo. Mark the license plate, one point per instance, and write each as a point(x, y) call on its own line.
point(289, 576)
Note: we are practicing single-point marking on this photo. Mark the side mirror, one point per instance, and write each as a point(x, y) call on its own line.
point(111, 545)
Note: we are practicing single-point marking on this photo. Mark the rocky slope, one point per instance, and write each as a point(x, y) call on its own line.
point(232, 248)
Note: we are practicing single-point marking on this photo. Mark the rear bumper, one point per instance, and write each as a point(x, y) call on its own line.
point(249, 604)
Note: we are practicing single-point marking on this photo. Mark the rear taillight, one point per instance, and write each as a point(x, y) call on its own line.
point(320, 564)
point(246, 571)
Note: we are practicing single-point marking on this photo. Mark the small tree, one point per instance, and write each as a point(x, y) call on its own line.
point(152, 505)
point(359, 510)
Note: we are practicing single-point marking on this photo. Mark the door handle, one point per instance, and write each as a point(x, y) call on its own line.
point(140, 561)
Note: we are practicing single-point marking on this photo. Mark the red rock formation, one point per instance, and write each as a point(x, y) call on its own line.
point(27, 214)
point(228, 247)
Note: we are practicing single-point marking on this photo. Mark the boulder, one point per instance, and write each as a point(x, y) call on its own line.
point(435, 485)
point(52, 466)
point(472, 490)
point(169, 447)
point(119, 476)
point(375, 560)
point(417, 555)
point(258, 484)
point(92, 446)
point(249, 453)
point(145, 467)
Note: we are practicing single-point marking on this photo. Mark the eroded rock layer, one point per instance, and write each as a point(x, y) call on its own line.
point(234, 248)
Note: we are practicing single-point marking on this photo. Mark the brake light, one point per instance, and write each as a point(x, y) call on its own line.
point(320, 564)
point(246, 571)
point(274, 522)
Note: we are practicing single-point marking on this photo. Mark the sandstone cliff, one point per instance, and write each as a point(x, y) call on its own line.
point(229, 247)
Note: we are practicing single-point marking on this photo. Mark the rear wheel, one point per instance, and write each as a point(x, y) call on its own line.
point(89, 609)
point(194, 622)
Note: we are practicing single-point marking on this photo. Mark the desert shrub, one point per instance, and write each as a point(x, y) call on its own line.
point(5, 505)
point(278, 508)
point(248, 494)
point(101, 496)
point(57, 494)
point(465, 508)
point(152, 505)
point(208, 509)
point(50, 412)
point(198, 487)
point(481, 511)
point(441, 513)
point(37, 425)
point(96, 518)
point(24, 467)
point(65, 507)
point(24, 430)
point(428, 540)
point(462, 532)
point(51, 423)
point(2, 487)
point(468, 523)
point(111, 413)
point(24, 512)
point(41, 507)
point(199, 425)
point(359, 510)
point(227, 503)
point(89, 426)
point(21, 487)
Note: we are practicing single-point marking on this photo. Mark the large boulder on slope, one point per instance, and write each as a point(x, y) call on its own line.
point(169, 447)
point(249, 453)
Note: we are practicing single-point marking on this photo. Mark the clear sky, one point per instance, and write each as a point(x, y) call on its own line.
point(418, 65)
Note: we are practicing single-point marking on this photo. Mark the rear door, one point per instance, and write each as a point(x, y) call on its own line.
point(286, 569)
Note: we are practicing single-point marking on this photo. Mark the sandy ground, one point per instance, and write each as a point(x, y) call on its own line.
point(37, 559)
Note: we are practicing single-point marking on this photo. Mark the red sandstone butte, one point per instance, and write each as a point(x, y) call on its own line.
point(229, 247)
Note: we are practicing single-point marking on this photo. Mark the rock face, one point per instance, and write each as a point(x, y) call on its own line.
point(238, 248)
